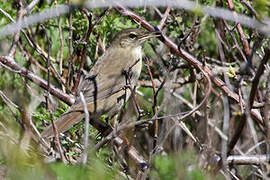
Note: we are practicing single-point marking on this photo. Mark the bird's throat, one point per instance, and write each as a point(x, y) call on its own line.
point(137, 53)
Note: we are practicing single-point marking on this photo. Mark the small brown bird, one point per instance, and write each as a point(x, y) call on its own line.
point(106, 87)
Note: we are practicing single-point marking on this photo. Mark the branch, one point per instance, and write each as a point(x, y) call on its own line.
point(253, 91)
point(13, 66)
point(248, 159)
point(188, 57)
point(183, 4)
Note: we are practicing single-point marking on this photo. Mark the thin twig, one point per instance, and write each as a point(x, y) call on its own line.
point(16, 37)
point(31, 6)
point(154, 107)
point(55, 130)
point(253, 91)
point(61, 44)
point(70, 50)
point(240, 31)
point(86, 131)
point(164, 18)
point(86, 39)
point(225, 99)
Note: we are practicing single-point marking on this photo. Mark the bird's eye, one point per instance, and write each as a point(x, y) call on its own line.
point(132, 36)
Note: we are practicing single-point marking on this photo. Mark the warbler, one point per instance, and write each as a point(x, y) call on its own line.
point(107, 86)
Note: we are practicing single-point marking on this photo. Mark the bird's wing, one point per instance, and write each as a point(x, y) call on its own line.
point(105, 78)
point(95, 87)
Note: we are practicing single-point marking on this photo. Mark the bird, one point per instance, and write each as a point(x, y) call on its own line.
point(108, 84)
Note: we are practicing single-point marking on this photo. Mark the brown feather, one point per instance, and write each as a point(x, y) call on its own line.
point(105, 82)
point(66, 121)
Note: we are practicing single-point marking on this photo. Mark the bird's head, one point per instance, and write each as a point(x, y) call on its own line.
point(132, 37)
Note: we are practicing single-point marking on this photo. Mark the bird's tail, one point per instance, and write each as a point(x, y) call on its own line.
point(65, 122)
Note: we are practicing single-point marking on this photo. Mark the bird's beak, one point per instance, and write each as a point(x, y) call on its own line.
point(148, 35)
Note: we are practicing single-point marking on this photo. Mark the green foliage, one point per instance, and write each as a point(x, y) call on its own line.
point(179, 166)
point(42, 113)
point(262, 8)
point(80, 24)
point(149, 95)
point(95, 169)
point(6, 5)
point(27, 165)
point(238, 6)
point(69, 172)
point(207, 38)
point(231, 72)
point(206, 2)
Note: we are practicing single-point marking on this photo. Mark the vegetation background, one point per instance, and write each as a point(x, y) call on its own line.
point(218, 69)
